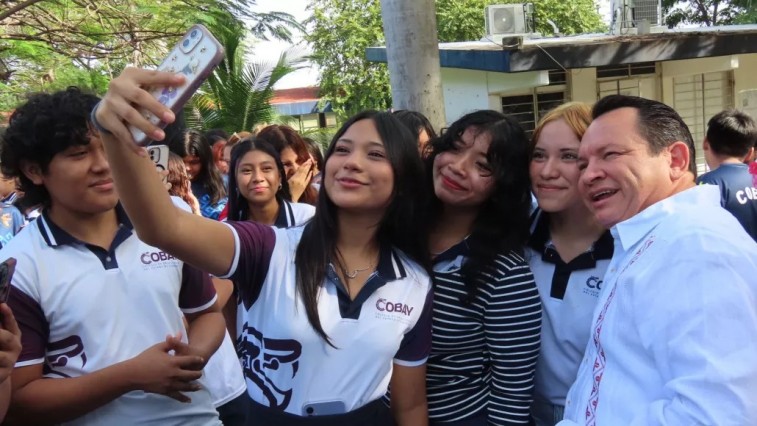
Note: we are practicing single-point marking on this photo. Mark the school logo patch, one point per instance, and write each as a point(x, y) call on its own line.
point(158, 260)
point(270, 364)
point(68, 352)
point(396, 311)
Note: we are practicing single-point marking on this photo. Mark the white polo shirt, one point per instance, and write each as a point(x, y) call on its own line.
point(223, 374)
point(569, 293)
point(674, 335)
point(293, 214)
point(286, 364)
point(82, 308)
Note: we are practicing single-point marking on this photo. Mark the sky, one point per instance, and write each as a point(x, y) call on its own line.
point(270, 50)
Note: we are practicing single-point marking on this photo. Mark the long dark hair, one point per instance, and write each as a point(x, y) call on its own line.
point(502, 222)
point(398, 227)
point(239, 208)
point(209, 177)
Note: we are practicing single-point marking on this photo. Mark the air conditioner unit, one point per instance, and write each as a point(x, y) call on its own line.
point(647, 10)
point(507, 19)
point(642, 15)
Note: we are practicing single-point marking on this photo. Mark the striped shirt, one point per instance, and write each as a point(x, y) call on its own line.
point(483, 355)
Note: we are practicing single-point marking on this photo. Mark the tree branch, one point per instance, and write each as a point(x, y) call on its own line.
point(16, 8)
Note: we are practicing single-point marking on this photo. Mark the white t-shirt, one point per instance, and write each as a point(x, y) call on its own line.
point(286, 364)
point(569, 294)
point(223, 374)
point(674, 334)
point(83, 308)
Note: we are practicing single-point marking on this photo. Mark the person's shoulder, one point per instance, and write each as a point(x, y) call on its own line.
point(704, 228)
point(510, 260)
point(28, 248)
point(413, 272)
point(303, 208)
point(29, 240)
point(723, 173)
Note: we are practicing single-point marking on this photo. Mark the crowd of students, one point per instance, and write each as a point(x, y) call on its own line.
point(477, 277)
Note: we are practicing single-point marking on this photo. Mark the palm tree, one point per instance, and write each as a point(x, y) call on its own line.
point(237, 95)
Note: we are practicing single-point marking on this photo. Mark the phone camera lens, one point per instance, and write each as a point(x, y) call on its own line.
point(186, 43)
point(193, 34)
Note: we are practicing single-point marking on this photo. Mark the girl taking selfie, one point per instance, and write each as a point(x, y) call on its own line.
point(331, 313)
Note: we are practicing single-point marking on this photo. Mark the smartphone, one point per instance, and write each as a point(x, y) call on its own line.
point(325, 408)
point(159, 156)
point(195, 56)
point(6, 274)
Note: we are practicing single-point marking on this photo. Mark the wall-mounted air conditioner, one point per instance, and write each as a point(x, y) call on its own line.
point(636, 16)
point(509, 19)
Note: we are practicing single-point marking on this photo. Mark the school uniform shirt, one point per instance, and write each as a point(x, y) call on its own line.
point(569, 293)
point(82, 308)
point(286, 364)
point(483, 354)
point(208, 209)
point(11, 222)
point(674, 334)
point(223, 374)
point(290, 214)
point(738, 194)
point(293, 214)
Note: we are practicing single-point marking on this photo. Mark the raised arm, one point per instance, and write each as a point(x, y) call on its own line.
point(204, 243)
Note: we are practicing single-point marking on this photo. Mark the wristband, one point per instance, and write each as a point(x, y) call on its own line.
point(95, 123)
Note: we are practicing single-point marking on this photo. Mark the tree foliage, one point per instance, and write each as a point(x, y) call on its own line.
point(237, 95)
point(45, 44)
point(342, 30)
point(709, 12)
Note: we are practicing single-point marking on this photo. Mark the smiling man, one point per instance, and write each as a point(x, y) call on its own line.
point(674, 334)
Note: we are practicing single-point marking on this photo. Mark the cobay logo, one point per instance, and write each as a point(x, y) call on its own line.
point(384, 305)
point(153, 257)
point(594, 282)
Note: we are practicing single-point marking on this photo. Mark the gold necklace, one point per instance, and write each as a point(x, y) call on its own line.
point(354, 273)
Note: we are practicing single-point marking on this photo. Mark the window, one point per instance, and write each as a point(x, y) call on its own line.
point(529, 108)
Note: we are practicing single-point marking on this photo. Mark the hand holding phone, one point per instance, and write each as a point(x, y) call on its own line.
point(6, 275)
point(134, 103)
point(194, 56)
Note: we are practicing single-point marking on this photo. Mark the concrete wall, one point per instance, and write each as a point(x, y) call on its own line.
point(469, 90)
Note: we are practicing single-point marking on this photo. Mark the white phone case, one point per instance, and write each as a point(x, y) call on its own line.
point(195, 56)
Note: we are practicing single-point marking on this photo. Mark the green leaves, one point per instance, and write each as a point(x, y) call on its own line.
point(237, 95)
point(709, 12)
point(84, 39)
point(342, 30)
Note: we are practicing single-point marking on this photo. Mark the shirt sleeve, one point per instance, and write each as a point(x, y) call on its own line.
point(197, 291)
point(254, 245)
point(416, 344)
point(698, 321)
point(512, 329)
point(33, 324)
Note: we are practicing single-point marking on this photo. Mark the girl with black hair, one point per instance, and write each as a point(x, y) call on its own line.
point(207, 182)
point(259, 189)
point(419, 125)
point(487, 314)
point(330, 313)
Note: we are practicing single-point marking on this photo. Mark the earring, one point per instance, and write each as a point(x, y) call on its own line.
point(281, 185)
